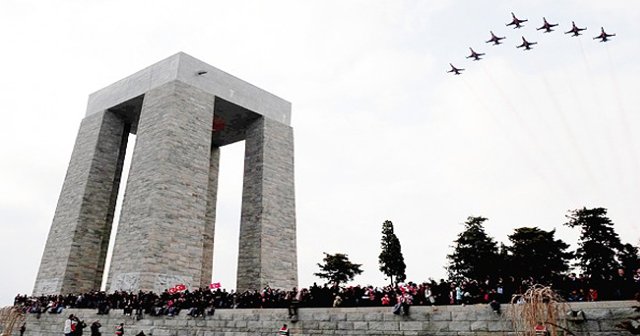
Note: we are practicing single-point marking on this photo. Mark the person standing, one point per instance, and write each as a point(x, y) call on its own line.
point(406, 300)
point(95, 328)
point(284, 331)
point(294, 297)
point(68, 325)
point(23, 328)
point(80, 325)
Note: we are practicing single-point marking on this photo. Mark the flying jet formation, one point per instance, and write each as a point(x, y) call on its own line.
point(575, 30)
point(604, 37)
point(547, 26)
point(517, 23)
point(455, 70)
point(526, 44)
point(495, 39)
point(475, 55)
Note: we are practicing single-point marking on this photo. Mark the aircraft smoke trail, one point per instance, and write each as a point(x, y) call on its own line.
point(508, 135)
point(622, 114)
point(602, 123)
point(504, 130)
point(577, 104)
point(506, 100)
point(572, 138)
point(526, 129)
point(539, 115)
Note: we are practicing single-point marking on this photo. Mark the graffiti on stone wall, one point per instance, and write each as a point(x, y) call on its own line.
point(126, 282)
point(48, 286)
point(166, 281)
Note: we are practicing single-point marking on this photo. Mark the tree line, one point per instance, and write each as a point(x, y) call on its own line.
point(531, 253)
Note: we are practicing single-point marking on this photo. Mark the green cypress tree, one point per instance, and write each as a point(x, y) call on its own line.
point(337, 268)
point(629, 260)
point(391, 259)
point(598, 243)
point(536, 252)
point(475, 254)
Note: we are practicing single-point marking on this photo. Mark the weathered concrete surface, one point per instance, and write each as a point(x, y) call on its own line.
point(160, 238)
point(76, 248)
point(476, 320)
point(185, 68)
point(267, 246)
point(210, 219)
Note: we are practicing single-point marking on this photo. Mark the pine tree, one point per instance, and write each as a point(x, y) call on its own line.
point(628, 258)
point(337, 268)
point(475, 254)
point(598, 243)
point(536, 252)
point(391, 259)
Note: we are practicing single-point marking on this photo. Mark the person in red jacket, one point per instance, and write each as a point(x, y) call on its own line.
point(120, 330)
point(284, 330)
point(540, 329)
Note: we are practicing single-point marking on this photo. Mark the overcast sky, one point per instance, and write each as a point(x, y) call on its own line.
point(381, 130)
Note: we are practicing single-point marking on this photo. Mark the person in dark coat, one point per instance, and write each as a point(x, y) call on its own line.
point(80, 325)
point(95, 328)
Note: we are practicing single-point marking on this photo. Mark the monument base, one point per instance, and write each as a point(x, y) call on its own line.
point(477, 320)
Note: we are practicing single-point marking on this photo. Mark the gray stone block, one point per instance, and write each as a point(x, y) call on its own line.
point(411, 325)
point(352, 316)
point(501, 325)
point(324, 325)
point(384, 326)
point(464, 315)
point(436, 326)
point(338, 317)
point(620, 313)
point(375, 316)
point(360, 325)
point(342, 325)
point(440, 316)
point(460, 326)
point(479, 326)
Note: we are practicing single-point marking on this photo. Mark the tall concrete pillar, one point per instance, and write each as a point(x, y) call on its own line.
point(75, 252)
point(161, 234)
point(267, 249)
point(210, 220)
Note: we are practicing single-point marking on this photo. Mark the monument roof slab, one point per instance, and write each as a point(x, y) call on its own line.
point(192, 71)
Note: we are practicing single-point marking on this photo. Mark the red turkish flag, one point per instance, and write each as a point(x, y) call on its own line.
point(172, 290)
point(181, 287)
point(215, 285)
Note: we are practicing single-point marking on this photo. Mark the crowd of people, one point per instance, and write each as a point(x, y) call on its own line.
point(203, 302)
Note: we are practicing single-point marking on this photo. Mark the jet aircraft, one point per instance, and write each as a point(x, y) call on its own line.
point(516, 22)
point(495, 39)
point(547, 26)
point(575, 30)
point(604, 37)
point(455, 70)
point(475, 55)
point(526, 44)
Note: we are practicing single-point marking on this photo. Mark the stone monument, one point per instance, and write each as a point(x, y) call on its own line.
point(182, 111)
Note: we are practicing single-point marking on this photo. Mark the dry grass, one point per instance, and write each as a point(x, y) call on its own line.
point(9, 318)
point(539, 304)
